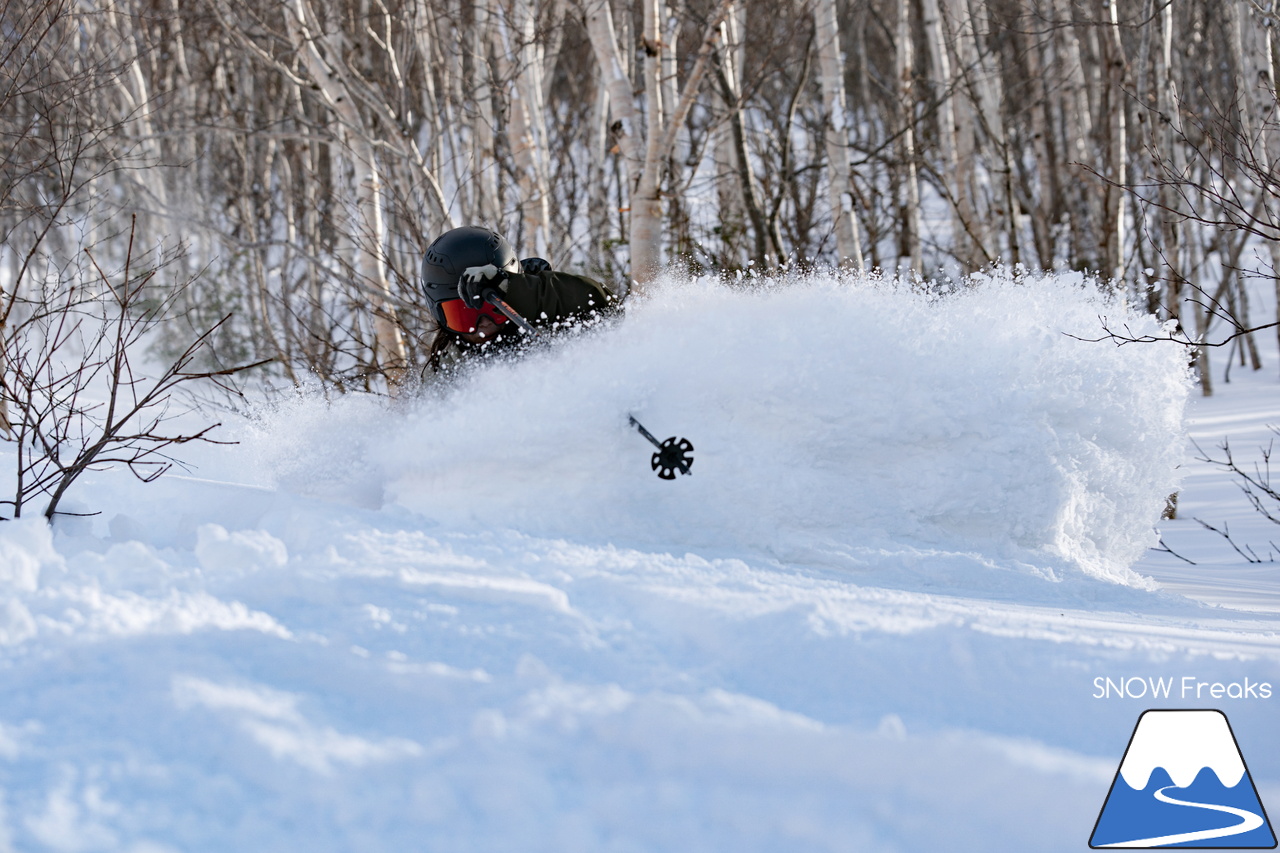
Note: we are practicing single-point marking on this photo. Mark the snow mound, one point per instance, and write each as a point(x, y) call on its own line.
point(849, 424)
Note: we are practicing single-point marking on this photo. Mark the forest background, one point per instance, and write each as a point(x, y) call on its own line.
point(269, 172)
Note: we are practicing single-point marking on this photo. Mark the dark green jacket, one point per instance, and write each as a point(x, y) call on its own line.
point(550, 298)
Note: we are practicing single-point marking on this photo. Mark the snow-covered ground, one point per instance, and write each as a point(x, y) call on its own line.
point(915, 537)
point(1241, 413)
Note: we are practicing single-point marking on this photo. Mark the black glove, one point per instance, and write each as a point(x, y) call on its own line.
point(478, 282)
point(533, 266)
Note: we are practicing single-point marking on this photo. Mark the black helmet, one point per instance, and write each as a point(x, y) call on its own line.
point(454, 251)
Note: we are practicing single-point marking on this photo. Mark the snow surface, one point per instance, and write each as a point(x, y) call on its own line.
point(871, 619)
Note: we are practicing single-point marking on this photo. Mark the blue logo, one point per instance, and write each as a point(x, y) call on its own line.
point(1183, 783)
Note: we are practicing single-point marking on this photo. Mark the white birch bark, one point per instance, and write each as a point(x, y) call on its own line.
point(669, 35)
point(1181, 249)
point(135, 91)
point(646, 154)
point(1252, 95)
point(1077, 127)
point(991, 87)
point(836, 135)
point(736, 184)
point(1119, 147)
point(483, 148)
point(317, 52)
point(1172, 231)
point(731, 215)
point(6, 427)
point(909, 203)
point(1251, 46)
point(646, 200)
point(442, 106)
point(673, 165)
point(616, 80)
point(1267, 77)
point(522, 61)
point(601, 217)
point(729, 212)
point(961, 202)
point(980, 140)
point(1043, 198)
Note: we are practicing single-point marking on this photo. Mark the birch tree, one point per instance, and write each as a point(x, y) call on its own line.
point(321, 54)
point(1118, 147)
point(521, 63)
point(983, 137)
point(646, 146)
point(310, 151)
point(1252, 60)
point(740, 184)
point(909, 202)
point(836, 134)
point(956, 163)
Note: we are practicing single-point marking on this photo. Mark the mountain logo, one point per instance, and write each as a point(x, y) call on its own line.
point(1183, 783)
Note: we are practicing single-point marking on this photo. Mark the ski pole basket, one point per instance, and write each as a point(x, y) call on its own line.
point(674, 454)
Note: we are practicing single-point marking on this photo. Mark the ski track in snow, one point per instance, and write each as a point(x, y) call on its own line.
point(481, 623)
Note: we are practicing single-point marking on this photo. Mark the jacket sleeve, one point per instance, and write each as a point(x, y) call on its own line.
point(556, 297)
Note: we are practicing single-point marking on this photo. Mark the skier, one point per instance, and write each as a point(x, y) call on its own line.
point(464, 266)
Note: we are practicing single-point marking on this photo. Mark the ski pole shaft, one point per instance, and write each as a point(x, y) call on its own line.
point(501, 304)
point(635, 423)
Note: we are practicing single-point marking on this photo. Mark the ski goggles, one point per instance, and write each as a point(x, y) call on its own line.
point(461, 317)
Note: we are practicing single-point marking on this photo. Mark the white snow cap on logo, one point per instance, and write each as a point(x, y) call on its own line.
point(1183, 743)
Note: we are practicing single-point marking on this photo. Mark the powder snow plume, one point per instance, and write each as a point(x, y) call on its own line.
point(837, 422)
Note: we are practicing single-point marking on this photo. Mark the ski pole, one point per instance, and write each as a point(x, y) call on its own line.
point(498, 302)
point(674, 454)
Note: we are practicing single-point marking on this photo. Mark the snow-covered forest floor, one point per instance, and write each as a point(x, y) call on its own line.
point(916, 533)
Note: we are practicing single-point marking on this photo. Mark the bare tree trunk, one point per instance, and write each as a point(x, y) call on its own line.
point(1202, 353)
point(442, 108)
point(730, 208)
point(985, 130)
point(484, 151)
point(909, 203)
point(836, 137)
point(1118, 149)
point(646, 198)
point(1165, 144)
point(316, 132)
point(369, 238)
point(1267, 82)
point(676, 215)
point(734, 139)
point(1257, 104)
point(647, 155)
point(965, 245)
point(617, 82)
point(134, 89)
point(1077, 130)
point(1145, 70)
point(522, 60)
point(670, 13)
point(6, 428)
point(1180, 245)
point(598, 207)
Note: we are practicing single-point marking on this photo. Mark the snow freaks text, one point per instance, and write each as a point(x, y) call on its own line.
point(1173, 687)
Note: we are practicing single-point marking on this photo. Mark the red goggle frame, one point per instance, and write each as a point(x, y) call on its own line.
point(461, 317)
